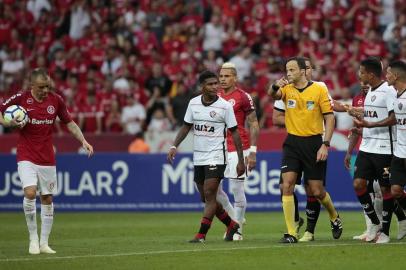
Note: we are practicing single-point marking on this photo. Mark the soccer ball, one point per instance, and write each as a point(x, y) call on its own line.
point(15, 112)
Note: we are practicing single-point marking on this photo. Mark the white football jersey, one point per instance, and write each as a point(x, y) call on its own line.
point(400, 112)
point(280, 105)
point(378, 103)
point(209, 129)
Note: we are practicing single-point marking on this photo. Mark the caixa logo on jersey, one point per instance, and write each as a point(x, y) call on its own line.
point(204, 128)
point(179, 179)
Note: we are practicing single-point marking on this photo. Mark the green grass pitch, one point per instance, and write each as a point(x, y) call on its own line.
point(159, 241)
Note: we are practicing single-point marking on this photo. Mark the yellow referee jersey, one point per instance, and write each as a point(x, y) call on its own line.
point(305, 109)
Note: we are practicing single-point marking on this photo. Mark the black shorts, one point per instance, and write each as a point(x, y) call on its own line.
point(373, 166)
point(298, 179)
point(398, 171)
point(209, 171)
point(300, 154)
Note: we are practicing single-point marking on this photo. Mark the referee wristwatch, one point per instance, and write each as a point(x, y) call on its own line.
point(326, 143)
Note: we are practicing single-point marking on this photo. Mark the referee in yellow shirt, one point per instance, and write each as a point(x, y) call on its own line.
point(307, 108)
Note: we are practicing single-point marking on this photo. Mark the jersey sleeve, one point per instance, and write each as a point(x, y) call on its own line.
point(283, 91)
point(247, 103)
point(279, 105)
point(325, 101)
point(63, 113)
point(230, 116)
point(13, 100)
point(188, 115)
point(390, 100)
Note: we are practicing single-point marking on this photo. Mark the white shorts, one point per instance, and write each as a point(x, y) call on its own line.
point(232, 161)
point(44, 177)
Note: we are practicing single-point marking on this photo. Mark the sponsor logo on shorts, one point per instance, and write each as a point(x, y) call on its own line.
point(212, 167)
point(51, 186)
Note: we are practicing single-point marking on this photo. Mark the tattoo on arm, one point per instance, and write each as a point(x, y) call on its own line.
point(254, 127)
point(75, 131)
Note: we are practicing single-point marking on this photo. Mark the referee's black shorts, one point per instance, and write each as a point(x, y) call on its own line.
point(300, 154)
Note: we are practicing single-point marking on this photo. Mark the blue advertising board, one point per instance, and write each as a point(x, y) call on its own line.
point(124, 182)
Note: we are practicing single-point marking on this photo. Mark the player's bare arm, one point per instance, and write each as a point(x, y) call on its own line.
point(329, 120)
point(388, 121)
point(182, 133)
point(238, 147)
point(77, 133)
point(278, 118)
point(353, 140)
point(254, 132)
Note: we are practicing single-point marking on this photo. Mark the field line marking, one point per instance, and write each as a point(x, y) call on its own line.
point(158, 252)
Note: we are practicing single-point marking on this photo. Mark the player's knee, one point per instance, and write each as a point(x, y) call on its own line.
point(397, 193)
point(46, 199)
point(359, 185)
point(30, 194)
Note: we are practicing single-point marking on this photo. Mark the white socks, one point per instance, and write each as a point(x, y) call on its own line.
point(30, 212)
point(378, 200)
point(47, 218)
point(222, 198)
point(240, 201)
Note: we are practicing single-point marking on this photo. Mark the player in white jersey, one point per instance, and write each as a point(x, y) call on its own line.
point(210, 116)
point(376, 150)
point(313, 205)
point(396, 76)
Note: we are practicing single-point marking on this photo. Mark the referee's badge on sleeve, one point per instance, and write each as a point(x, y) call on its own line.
point(291, 103)
point(310, 105)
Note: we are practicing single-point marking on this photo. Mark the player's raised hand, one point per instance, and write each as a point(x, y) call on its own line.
point(88, 148)
point(251, 161)
point(240, 168)
point(171, 154)
point(282, 82)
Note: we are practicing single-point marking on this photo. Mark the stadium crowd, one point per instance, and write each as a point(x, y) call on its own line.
point(127, 66)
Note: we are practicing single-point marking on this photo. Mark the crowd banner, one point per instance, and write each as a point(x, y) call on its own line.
point(125, 182)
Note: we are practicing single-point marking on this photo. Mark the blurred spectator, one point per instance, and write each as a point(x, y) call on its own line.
point(159, 122)
point(158, 80)
point(91, 115)
point(79, 19)
point(178, 105)
point(213, 35)
point(101, 51)
point(36, 6)
point(138, 145)
point(113, 119)
point(243, 63)
point(133, 115)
